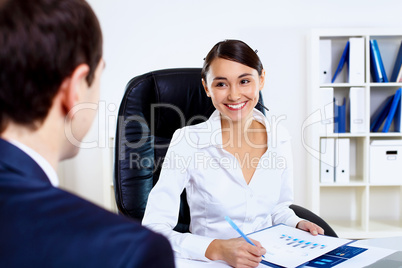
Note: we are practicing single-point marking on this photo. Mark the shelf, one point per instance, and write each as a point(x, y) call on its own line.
point(357, 209)
point(347, 32)
point(385, 185)
point(354, 230)
point(336, 85)
point(344, 135)
point(362, 135)
point(389, 84)
point(355, 181)
point(378, 226)
point(387, 134)
point(371, 84)
point(348, 229)
point(351, 184)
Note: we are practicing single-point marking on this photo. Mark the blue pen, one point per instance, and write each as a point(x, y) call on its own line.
point(229, 220)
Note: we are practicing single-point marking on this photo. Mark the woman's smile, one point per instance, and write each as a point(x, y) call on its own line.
point(236, 106)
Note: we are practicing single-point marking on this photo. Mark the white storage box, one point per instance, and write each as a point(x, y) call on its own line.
point(386, 162)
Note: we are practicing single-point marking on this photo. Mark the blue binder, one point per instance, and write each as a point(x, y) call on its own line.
point(397, 65)
point(395, 101)
point(397, 118)
point(376, 66)
point(342, 61)
point(380, 114)
point(340, 117)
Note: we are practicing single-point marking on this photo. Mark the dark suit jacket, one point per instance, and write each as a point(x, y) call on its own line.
point(43, 226)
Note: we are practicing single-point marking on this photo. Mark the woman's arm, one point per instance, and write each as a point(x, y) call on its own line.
point(163, 204)
point(282, 212)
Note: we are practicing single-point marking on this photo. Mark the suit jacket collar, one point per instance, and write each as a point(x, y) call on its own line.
point(15, 160)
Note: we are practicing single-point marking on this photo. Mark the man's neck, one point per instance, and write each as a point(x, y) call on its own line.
point(40, 140)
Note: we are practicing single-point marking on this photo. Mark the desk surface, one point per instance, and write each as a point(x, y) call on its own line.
point(377, 247)
point(394, 243)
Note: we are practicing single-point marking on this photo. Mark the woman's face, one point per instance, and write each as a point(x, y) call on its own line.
point(233, 88)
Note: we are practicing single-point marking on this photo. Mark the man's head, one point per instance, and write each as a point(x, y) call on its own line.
point(41, 44)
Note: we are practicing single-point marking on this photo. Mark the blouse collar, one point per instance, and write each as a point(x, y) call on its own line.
point(210, 134)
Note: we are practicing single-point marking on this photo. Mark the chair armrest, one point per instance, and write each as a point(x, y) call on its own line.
point(310, 216)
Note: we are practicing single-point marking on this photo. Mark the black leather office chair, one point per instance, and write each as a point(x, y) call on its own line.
point(153, 107)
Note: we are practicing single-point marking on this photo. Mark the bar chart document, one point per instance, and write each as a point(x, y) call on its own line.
point(290, 247)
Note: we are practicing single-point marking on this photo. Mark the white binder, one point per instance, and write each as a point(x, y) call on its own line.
point(342, 160)
point(327, 160)
point(327, 111)
point(357, 108)
point(356, 60)
point(325, 61)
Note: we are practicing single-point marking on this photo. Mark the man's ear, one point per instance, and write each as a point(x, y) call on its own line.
point(72, 87)
point(204, 84)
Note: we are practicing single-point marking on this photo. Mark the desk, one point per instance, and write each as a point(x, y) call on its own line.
point(394, 243)
point(377, 247)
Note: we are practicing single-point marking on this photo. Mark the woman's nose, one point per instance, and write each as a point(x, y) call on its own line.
point(234, 94)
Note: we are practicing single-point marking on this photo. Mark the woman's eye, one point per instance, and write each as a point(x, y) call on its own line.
point(220, 84)
point(245, 81)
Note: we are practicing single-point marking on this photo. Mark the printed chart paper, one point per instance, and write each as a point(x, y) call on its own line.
point(290, 247)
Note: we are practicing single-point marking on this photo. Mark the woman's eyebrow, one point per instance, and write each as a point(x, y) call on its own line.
point(220, 78)
point(245, 74)
point(224, 78)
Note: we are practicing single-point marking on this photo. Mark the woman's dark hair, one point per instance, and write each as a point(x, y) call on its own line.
point(41, 44)
point(233, 50)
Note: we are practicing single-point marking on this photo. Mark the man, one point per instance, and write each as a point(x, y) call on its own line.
point(50, 62)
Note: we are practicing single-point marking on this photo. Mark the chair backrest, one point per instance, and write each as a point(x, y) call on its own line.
point(153, 107)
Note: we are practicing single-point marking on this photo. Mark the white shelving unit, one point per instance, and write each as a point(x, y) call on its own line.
point(358, 209)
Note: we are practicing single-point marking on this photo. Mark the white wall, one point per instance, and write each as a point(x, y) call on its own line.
point(140, 36)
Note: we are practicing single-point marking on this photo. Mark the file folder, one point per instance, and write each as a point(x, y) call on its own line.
point(376, 66)
point(342, 157)
point(327, 111)
point(356, 60)
point(327, 160)
point(325, 61)
point(395, 102)
point(380, 114)
point(357, 110)
point(342, 61)
point(340, 117)
point(397, 117)
point(397, 71)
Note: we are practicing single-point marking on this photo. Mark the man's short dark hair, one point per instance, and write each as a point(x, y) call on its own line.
point(41, 43)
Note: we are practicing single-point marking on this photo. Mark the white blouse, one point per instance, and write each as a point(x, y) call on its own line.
point(216, 187)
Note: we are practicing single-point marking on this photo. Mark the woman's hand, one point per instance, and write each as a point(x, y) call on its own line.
point(236, 252)
point(308, 226)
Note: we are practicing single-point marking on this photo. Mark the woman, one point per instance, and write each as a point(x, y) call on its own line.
point(235, 164)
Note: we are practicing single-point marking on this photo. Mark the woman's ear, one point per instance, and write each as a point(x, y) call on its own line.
point(205, 87)
point(72, 87)
point(262, 79)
